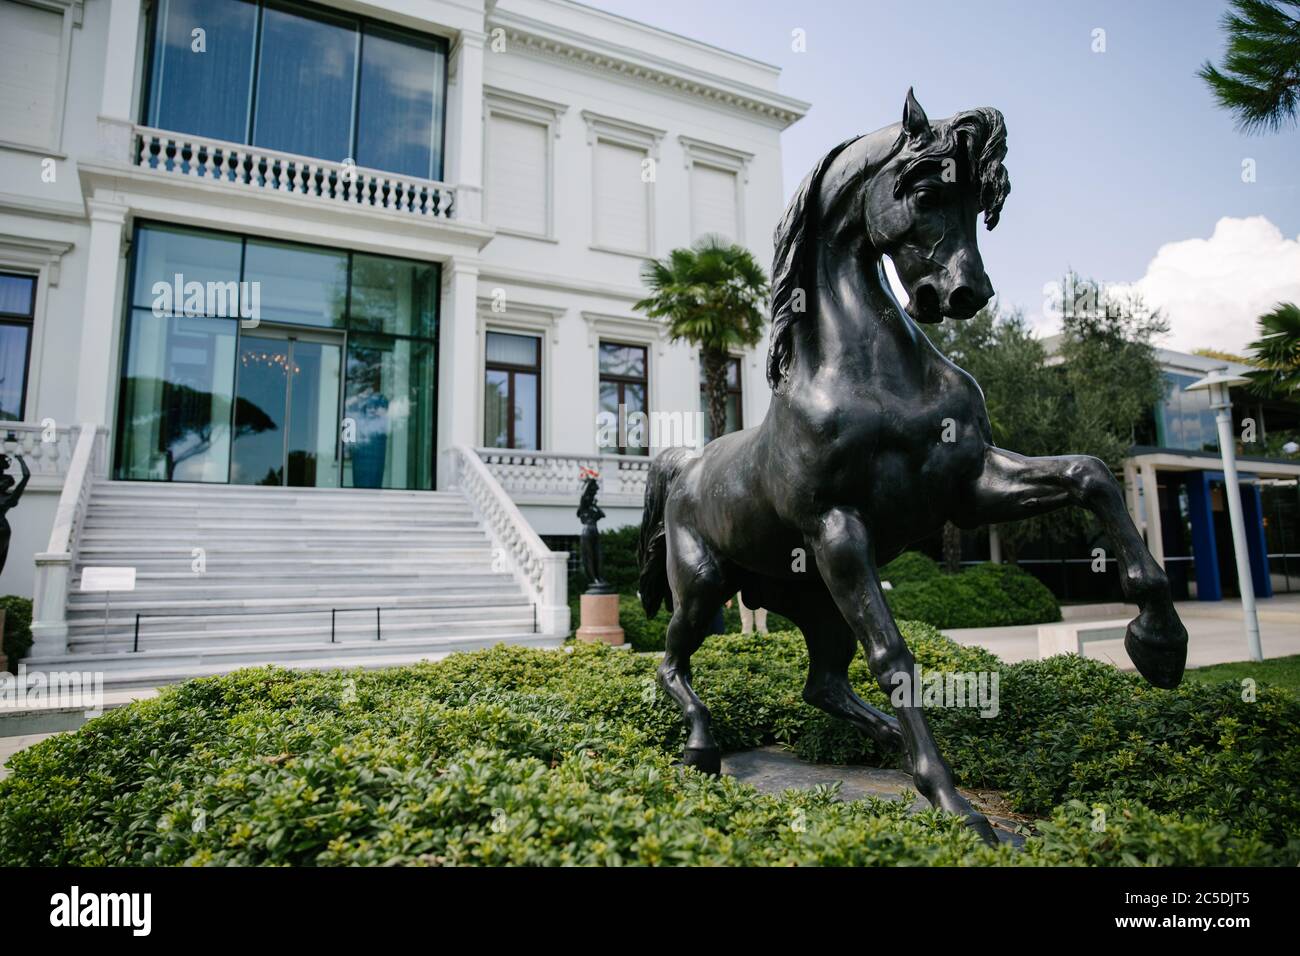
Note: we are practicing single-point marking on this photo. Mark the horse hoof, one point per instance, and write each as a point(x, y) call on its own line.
point(704, 759)
point(1159, 654)
point(980, 824)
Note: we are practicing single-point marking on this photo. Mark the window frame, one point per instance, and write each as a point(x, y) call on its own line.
point(526, 109)
point(344, 335)
point(620, 132)
point(622, 381)
point(697, 152)
point(72, 12)
point(738, 391)
point(512, 370)
point(27, 321)
point(438, 41)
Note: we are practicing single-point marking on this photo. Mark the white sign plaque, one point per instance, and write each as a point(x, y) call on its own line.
point(108, 579)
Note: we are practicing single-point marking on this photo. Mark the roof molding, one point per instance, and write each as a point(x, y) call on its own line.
point(524, 34)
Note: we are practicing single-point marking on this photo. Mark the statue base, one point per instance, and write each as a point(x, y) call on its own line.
point(599, 616)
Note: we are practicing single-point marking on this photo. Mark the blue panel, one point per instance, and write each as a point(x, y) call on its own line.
point(1252, 512)
point(1204, 551)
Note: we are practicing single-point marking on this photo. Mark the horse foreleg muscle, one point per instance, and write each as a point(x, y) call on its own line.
point(845, 558)
point(1012, 487)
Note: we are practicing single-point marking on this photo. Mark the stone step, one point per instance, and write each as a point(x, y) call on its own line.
point(348, 629)
point(152, 668)
point(460, 607)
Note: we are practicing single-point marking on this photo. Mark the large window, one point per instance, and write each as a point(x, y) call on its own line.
point(302, 79)
point(334, 384)
point(17, 308)
point(1184, 419)
point(512, 391)
point(623, 391)
point(735, 402)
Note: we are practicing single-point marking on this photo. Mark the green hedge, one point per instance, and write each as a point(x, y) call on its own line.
point(18, 628)
point(987, 595)
point(910, 567)
point(518, 756)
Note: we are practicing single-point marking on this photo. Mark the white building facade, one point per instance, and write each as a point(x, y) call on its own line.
point(386, 247)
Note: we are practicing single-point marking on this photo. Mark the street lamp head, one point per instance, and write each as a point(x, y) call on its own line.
point(1217, 383)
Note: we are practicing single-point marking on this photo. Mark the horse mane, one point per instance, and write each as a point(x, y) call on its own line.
point(981, 133)
point(788, 264)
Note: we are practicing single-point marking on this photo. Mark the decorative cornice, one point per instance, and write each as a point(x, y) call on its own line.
point(541, 40)
point(711, 154)
point(524, 106)
point(47, 253)
point(613, 128)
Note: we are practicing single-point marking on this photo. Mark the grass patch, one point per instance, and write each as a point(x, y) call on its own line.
point(1276, 671)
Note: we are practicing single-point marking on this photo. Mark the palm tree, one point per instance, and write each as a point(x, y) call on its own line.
point(1260, 79)
point(713, 295)
point(1277, 353)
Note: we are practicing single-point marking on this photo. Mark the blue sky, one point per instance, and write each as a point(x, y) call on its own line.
point(1112, 155)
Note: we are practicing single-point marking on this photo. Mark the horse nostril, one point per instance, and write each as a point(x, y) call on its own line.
point(927, 300)
point(965, 301)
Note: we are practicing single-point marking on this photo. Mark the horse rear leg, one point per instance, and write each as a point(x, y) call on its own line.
point(846, 562)
point(1013, 487)
point(831, 646)
point(699, 590)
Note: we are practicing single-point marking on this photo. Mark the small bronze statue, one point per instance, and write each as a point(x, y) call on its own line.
point(873, 440)
point(9, 495)
point(589, 513)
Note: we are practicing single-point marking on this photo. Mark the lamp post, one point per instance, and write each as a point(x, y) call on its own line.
point(1217, 384)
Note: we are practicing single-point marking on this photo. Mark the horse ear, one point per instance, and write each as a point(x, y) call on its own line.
point(915, 123)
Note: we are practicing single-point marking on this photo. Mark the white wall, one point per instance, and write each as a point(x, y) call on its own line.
point(563, 289)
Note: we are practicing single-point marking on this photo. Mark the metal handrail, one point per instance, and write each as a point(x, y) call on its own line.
point(135, 647)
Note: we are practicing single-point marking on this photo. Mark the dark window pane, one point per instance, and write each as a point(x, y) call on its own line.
point(13, 370)
point(207, 92)
point(176, 399)
point(305, 82)
point(261, 411)
point(512, 349)
point(162, 253)
point(624, 360)
point(400, 105)
point(302, 285)
point(17, 294)
point(496, 409)
point(396, 296)
point(525, 410)
point(390, 398)
point(313, 415)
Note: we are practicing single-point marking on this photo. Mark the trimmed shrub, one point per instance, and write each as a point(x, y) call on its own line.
point(519, 756)
point(987, 595)
point(910, 567)
point(18, 628)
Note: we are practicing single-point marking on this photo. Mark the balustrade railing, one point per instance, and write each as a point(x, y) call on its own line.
point(543, 572)
point(54, 565)
point(268, 170)
point(535, 477)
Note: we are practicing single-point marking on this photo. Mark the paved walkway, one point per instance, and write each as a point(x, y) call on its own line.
point(1216, 632)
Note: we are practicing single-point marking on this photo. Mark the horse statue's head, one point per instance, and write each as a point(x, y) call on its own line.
point(913, 192)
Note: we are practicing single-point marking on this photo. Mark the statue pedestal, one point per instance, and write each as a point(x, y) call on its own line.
point(599, 619)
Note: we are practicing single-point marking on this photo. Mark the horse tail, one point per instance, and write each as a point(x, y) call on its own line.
point(652, 553)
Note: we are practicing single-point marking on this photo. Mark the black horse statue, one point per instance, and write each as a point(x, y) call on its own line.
point(873, 440)
point(9, 495)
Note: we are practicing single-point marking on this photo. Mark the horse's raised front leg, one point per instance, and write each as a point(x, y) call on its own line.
point(846, 561)
point(1012, 487)
point(700, 590)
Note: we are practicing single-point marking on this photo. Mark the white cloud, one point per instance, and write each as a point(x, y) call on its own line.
point(1213, 290)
